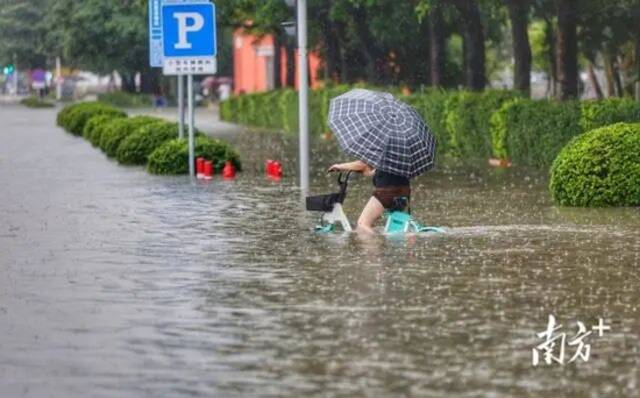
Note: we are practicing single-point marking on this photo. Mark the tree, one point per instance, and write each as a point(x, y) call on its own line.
point(518, 14)
point(437, 44)
point(474, 46)
point(567, 49)
point(103, 36)
point(22, 32)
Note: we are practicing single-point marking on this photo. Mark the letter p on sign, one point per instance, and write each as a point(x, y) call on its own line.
point(188, 30)
point(188, 22)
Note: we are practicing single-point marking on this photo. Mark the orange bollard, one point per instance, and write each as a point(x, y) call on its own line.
point(208, 170)
point(229, 171)
point(277, 169)
point(200, 168)
point(268, 167)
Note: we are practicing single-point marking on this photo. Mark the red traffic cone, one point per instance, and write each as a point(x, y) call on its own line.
point(200, 168)
point(229, 171)
point(208, 170)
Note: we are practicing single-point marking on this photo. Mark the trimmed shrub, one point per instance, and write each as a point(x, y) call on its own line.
point(279, 109)
point(172, 157)
point(74, 119)
point(94, 126)
point(62, 119)
point(35, 102)
point(136, 148)
point(531, 133)
point(227, 112)
point(609, 111)
point(468, 116)
point(122, 99)
point(117, 130)
point(599, 168)
point(431, 105)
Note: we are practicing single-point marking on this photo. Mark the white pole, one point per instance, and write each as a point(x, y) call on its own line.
point(191, 127)
point(180, 106)
point(303, 95)
point(16, 72)
point(58, 79)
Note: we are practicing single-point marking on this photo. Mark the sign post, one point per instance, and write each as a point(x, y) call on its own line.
point(180, 107)
point(303, 75)
point(191, 125)
point(187, 46)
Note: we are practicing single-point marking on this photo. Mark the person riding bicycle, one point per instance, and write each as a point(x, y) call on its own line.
point(388, 188)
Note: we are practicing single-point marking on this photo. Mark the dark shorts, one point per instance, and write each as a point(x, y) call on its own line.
point(386, 195)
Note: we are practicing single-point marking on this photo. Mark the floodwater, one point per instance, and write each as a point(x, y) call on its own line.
point(117, 283)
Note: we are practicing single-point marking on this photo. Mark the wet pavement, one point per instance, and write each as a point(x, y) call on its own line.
point(118, 283)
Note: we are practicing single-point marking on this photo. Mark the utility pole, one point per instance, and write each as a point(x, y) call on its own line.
point(303, 83)
point(16, 79)
point(58, 79)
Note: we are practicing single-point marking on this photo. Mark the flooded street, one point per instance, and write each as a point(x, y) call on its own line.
point(118, 283)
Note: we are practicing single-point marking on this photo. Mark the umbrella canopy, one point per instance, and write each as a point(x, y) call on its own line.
point(383, 132)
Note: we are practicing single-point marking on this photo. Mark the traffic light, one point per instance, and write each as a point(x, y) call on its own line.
point(9, 69)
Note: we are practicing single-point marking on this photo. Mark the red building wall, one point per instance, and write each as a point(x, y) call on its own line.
point(253, 63)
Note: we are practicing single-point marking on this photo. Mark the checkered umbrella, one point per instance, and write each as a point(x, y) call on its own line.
point(383, 132)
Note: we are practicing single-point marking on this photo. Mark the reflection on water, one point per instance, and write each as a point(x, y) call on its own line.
point(124, 284)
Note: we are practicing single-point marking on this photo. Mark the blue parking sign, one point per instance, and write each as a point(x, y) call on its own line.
point(189, 30)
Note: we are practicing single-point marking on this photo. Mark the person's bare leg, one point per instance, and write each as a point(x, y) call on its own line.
point(370, 214)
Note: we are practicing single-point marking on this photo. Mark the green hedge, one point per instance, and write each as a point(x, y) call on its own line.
point(532, 132)
point(278, 109)
point(467, 121)
point(35, 102)
point(136, 148)
point(143, 139)
point(122, 99)
point(94, 127)
point(172, 157)
point(466, 125)
point(458, 120)
point(74, 117)
point(609, 111)
point(119, 129)
point(599, 168)
point(432, 107)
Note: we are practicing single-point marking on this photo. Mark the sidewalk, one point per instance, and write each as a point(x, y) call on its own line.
point(207, 120)
point(6, 99)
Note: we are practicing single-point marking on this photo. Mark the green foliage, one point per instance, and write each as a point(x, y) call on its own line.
point(117, 130)
point(122, 99)
point(100, 36)
point(35, 102)
point(458, 120)
point(599, 168)
point(612, 110)
point(172, 157)
point(467, 121)
point(431, 105)
point(531, 132)
point(22, 31)
point(74, 117)
point(94, 127)
point(136, 148)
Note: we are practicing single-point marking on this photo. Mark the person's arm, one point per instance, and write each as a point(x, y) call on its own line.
point(357, 166)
